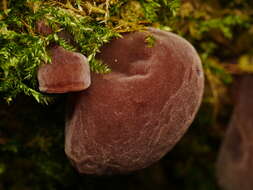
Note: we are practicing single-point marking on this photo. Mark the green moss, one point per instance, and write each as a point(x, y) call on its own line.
point(22, 49)
point(150, 40)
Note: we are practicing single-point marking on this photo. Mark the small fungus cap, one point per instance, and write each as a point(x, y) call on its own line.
point(68, 72)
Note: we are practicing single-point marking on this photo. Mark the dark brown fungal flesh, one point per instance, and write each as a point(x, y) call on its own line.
point(68, 72)
point(131, 117)
point(43, 29)
point(235, 161)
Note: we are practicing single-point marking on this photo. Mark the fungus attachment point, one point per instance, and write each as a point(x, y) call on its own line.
point(131, 117)
point(43, 28)
point(68, 72)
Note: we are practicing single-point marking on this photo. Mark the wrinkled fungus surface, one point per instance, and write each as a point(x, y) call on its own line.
point(235, 161)
point(68, 72)
point(131, 117)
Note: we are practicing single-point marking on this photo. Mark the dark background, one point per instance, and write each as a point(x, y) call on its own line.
point(33, 154)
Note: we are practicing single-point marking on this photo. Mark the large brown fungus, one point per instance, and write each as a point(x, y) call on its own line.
point(235, 161)
point(131, 117)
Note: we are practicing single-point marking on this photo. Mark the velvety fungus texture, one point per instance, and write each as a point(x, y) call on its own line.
point(235, 161)
point(68, 72)
point(131, 117)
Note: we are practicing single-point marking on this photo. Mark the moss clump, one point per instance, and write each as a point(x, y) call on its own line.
point(92, 23)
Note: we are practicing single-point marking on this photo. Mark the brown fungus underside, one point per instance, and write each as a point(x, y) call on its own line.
point(131, 117)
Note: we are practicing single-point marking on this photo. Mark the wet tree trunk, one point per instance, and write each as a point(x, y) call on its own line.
point(235, 161)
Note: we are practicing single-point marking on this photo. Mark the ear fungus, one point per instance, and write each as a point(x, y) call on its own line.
point(235, 160)
point(131, 117)
point(68, 72)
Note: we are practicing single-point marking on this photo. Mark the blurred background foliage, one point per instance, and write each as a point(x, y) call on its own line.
point(32, 135)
